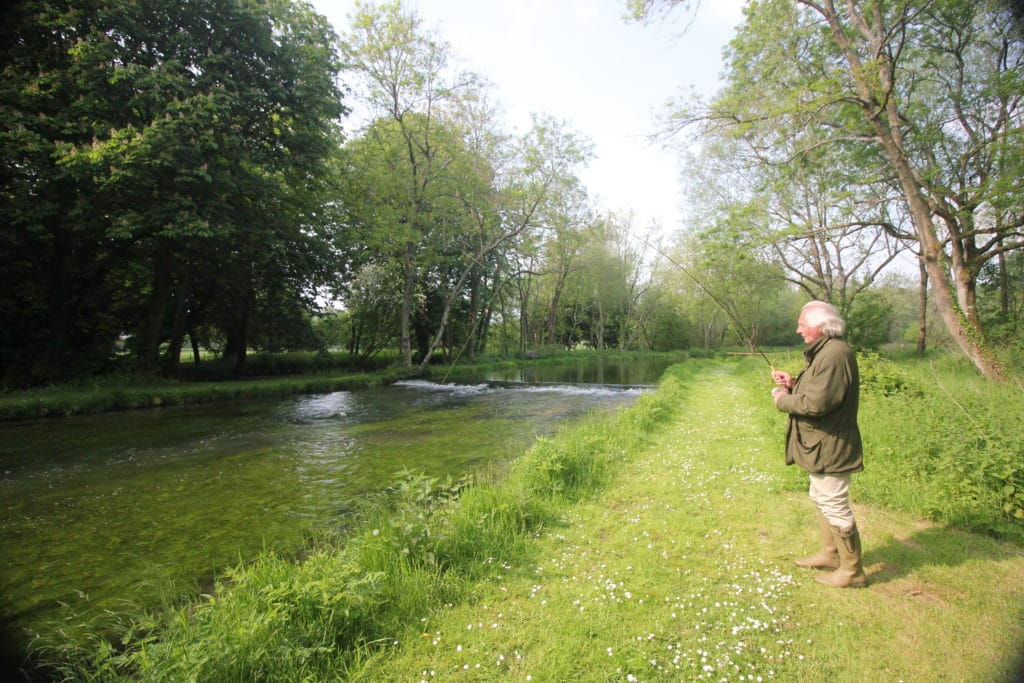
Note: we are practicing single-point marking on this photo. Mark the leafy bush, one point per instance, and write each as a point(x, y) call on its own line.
point(949, 448)
point(881, 377)
point(869, 320)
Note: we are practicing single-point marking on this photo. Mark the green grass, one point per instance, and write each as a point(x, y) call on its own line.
point(951, 444)
point(681, 570)
point(654, 545)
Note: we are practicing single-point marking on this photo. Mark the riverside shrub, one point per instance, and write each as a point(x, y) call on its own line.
point(944, 444)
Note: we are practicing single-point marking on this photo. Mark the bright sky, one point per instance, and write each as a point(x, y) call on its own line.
point(581, 61)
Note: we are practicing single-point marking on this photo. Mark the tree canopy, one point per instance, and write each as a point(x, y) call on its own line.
point(921, 99)
point(166, 169)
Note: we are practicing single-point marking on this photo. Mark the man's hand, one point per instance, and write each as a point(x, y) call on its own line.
point(782, 379)
point(777, 392)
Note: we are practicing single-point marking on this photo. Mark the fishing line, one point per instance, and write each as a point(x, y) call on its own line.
point(739, 328)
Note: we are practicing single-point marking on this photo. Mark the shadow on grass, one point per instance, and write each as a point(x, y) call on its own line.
point(891, 565)
point(1018, 672)
point(901, 555)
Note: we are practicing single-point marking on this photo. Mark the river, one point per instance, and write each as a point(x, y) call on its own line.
point(110, 513)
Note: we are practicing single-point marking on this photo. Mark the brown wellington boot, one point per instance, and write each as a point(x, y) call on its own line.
point(828, 556)
point(850, 573)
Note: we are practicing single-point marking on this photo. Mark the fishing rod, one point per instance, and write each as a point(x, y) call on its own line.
point(733, 318)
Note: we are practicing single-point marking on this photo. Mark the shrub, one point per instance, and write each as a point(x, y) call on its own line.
point(949, 449)
point(882, 377)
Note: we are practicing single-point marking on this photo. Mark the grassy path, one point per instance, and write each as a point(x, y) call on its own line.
point(681, 570)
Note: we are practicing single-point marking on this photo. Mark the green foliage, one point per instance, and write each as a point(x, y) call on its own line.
point(946, 445)
point(168, 169)
point(1000, 299)
point(868, 321)
point(333, 330)
point(880, 377)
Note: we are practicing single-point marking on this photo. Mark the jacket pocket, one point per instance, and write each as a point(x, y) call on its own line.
point(808, 434)
point(810, 443)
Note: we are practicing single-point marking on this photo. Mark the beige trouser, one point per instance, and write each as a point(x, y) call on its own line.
point(831, 493)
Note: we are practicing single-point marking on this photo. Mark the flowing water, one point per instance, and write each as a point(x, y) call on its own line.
point(108, 512)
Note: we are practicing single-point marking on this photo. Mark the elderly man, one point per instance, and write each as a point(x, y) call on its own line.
point(823, 438)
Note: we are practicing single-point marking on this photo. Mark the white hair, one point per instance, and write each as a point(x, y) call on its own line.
point(825, 317)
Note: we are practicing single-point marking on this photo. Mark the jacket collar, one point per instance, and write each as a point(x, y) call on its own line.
point(813, 348)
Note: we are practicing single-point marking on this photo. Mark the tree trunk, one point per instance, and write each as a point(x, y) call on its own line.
point(1004, 287)
point(922, 310)
point(485, 327)
point(195, 346)
point(237, 344)
point(524, 323)
point(966, 337)
point(408, 292)
point(51, 360)
point(178, 326)
point(553, 310)
point(475, 284)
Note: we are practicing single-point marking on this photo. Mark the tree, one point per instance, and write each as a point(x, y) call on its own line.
point(403, 70)
point(610, 286)
point(869, 320)
point(155, 152)
point(730, 276)
point(930, 88)
point(374, 301)
point(540, 175)
point(565, 221)
point(724, 261)
point(832, 234)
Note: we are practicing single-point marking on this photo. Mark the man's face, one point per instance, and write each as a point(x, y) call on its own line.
point(810, 334)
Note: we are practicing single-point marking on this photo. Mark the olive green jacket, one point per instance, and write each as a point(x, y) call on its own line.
point(823, 436)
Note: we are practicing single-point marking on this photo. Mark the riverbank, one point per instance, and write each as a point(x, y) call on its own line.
point(111, 396)
point(652, 546)
point(131, 392)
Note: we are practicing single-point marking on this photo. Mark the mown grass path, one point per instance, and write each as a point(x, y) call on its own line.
point(681, 570)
